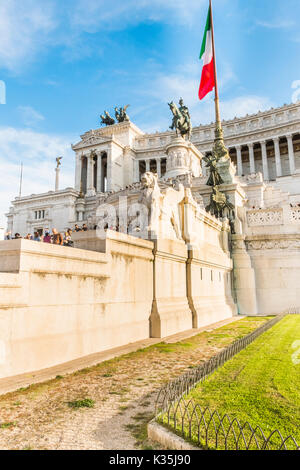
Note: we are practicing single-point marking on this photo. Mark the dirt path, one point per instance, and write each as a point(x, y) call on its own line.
point(123, 390)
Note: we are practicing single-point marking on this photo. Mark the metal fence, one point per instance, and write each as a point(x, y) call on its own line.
point(209, 430)
point(171, 408)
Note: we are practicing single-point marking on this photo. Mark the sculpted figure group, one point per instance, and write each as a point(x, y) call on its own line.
point(219, 202)
point(120, 114)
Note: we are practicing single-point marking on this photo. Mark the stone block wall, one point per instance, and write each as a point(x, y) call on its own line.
point(276, 262)
point(59, 304)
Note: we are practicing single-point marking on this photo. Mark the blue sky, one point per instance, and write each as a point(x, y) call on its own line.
point(63, 63)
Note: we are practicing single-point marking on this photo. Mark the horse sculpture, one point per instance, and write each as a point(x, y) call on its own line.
point(121, 114)
point(181, 120)
point(106, 119)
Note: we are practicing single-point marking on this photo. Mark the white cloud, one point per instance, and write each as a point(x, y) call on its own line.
point(24, 28)
point(276, 24)
point(27, 27)
point(243, 105)
point(185, 83)
point(30, 116)
point(96, 14)
point(37, 152)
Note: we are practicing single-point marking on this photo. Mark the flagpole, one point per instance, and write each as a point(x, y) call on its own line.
point(217, 103)
point(21, 180)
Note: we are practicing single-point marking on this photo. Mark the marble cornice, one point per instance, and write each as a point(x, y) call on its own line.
point(253, 137)
point(46, 198)
point(268, 130)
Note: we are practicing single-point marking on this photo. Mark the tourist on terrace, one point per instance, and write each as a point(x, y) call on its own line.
point(68, 238)
point(84, 228)
point(28, 237)
point(17, 236)
point(36, 237)
point(7, 236)
point(77, 228)
point(57, 238)
point(47, 238)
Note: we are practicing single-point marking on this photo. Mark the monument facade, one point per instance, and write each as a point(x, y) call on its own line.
point(112, 158)
point(182, 233)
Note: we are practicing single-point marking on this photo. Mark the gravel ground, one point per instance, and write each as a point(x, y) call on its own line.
point(123, 390)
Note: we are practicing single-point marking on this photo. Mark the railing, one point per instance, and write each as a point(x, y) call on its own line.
point(209, 430)
point(265, 217)
point(215, 431)
point(183, 384)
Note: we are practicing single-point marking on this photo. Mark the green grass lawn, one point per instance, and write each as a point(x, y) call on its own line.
point(261, 384)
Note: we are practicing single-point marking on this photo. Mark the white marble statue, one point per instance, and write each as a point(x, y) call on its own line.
point(170, 210)
point(164, 207)
point(151, 197)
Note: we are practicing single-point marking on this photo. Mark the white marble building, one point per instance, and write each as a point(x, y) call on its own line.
point(117, 288)
point(112, 158)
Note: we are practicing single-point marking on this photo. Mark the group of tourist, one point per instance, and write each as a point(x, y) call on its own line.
point(55, 238)
point(81, 229)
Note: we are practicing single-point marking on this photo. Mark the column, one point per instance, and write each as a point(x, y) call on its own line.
point(136, 170)
point(147, 165)
point(277, 157)
point(265, 160)
point(109, 171)
point(291, 153)
point(239, 160)
point(99, 172)
point(204, 169)
point(78, 171)
point(57, 171)
point(251, 158)
point(90, 174)
point(158, 167)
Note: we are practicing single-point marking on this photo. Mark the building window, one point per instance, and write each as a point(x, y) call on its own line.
point(39, 215)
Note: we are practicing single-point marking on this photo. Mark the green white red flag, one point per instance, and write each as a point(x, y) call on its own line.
point(208, 72)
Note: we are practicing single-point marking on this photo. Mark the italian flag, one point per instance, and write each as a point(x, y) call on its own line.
point(208, 73)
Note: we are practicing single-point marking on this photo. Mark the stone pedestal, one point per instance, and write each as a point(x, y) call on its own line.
point(171, 313)
point(244, 277)
point(182, 158)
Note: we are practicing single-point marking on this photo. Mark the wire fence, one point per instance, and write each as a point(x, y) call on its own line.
point(209, 430)
point(205, 427)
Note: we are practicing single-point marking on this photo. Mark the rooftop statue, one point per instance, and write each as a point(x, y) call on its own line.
point(107, 119)
point(121, 114)
point(58, 162)
point(181, 120)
